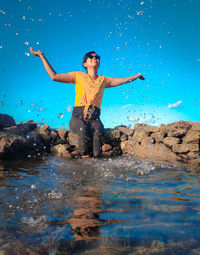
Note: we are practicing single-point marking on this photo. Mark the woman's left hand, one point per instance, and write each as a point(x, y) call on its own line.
point(140, 76)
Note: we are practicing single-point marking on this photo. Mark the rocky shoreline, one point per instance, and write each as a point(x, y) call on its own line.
point(171, 143)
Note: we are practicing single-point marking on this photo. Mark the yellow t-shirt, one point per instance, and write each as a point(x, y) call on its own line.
point(89, 92)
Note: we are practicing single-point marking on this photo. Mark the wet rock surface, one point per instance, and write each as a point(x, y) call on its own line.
point(178, 141)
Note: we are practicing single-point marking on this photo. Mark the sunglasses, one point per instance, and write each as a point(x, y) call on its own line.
point(91, 56)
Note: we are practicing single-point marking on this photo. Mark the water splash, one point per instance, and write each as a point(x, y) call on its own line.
point(60, 115)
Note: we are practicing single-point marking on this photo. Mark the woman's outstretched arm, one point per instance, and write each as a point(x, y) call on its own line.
point(61, 77)
point(119, 81)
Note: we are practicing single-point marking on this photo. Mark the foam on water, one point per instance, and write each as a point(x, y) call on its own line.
point(113, 167)
point(30, 221)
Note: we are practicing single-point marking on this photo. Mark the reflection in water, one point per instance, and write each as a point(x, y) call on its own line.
point(85, 222)
point(98, 207)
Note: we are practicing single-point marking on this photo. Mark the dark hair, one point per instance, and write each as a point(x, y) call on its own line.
point(86, 57)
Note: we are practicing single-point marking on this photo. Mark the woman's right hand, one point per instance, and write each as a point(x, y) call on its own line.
point(36, 53)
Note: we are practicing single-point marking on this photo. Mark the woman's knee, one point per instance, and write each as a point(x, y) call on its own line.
point(77, 125)
point(97, 127)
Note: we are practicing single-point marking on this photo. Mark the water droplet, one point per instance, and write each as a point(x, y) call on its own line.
point(20, 102)
point(1, 46)
point(60, 115)
point(33, 186)
point(69, 108)
point(24, 17)
point(140, 13)
point(43, 108)
point(3, 12)
point(27, 54)
point(39, 125)
point(27, 43)
point(1, 103)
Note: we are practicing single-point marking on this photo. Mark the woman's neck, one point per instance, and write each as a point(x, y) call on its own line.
point(92, 73)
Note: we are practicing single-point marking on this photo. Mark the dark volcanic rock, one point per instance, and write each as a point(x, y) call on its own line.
point(6, 121)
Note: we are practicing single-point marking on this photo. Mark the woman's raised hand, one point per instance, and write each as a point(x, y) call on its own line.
point(140, 76)
point(36, 53)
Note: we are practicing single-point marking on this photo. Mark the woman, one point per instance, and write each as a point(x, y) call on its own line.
point(85, 121)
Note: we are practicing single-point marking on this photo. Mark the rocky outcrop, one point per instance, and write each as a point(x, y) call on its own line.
point(178, 141)
point(6, 121)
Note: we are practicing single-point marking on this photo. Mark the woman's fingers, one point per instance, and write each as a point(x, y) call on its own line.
point(36, 53)
point(140, 76)
point(31, 50)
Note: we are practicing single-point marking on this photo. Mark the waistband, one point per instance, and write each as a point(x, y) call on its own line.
point(78, 112)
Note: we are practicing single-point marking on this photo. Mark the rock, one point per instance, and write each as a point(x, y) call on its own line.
point(123, 137)
point(53, 135)
point(185, 148)
point(193, 155)
point(195, 126)
point(36, 142)
point(195, 163)
point(107, 153)
point(125, 130)
point(170, 141)
point(63, 133)
point(115, 134)
point(45, 130)
point(180, 125)
point(6, 121)
point(179, 133)
point(139, 135)
point(21, 129)
point(8, 144)
point(158, 136)
point(16, 146)
point(106, 147)
point(146, 127)
point(178, 141)
point(178, 129)
point(127, 147)
point(116, 151)
point(148, 141)
point(192, 136)
point(110, 135)
point(142, 131)
point(61, 150)
point(163, 128)
point(73, 139)
point(156, 152)
point(76, 153)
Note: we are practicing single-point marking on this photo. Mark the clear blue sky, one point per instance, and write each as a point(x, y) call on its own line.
point(159, 38)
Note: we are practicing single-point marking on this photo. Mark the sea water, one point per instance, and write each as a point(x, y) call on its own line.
point(106, 206)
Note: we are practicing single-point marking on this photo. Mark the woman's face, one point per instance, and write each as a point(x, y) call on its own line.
point(92, 61)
